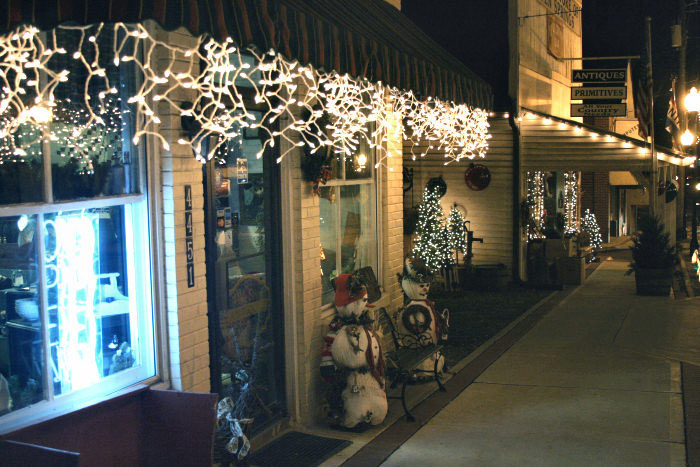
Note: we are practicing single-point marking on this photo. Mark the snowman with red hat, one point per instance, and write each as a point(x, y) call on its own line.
point(418, 321)
point(352, 359)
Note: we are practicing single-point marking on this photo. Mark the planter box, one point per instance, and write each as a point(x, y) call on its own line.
point(655, 282)
point(572, 271)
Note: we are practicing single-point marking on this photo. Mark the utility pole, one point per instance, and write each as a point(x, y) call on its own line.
point(653, 176)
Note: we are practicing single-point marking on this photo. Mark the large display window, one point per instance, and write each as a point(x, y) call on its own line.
point(76, 314)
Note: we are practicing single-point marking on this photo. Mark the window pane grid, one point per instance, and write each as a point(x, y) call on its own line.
point(348, 220)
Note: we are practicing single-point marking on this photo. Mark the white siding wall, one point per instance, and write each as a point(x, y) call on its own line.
point(490, 211)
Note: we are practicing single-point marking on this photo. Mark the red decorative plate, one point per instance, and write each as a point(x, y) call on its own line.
point(477, 177)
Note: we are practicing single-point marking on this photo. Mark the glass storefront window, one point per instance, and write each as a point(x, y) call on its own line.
point(88, 158)
point(76, 313)
point(347, 219)
point(92, 310)
point(21, 176)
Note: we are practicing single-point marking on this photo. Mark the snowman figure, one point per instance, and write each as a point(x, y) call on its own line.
point(418, 318)
point(352, 359)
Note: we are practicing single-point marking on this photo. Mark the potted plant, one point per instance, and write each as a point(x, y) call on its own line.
point(653, 258)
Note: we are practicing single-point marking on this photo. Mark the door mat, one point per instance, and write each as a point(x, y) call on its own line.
point(297, 449)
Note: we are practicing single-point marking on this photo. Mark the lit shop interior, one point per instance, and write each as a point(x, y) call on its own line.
point(72, 213)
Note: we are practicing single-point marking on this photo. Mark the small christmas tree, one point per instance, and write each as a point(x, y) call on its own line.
point(456, 232)
point(431, 239)
point(589, 227)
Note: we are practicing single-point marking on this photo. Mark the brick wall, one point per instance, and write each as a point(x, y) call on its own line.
point(595, 195)
point(188, 330)
point(311, 317)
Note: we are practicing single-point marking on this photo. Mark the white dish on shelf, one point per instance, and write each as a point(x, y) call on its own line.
point(27, 308)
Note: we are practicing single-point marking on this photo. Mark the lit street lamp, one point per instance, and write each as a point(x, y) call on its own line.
point(688, 138)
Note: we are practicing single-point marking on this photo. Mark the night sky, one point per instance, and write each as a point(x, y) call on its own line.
point(610, 27)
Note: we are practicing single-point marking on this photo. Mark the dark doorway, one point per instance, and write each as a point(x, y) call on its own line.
point(242, 215)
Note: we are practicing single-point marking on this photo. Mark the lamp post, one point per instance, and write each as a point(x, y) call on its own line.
point(688, 138)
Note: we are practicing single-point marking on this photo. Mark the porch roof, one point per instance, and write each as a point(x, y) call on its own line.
point(553, 143)
point(364, 38)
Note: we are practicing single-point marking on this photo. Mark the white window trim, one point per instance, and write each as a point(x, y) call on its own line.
point(377, 202)
point(150, 192)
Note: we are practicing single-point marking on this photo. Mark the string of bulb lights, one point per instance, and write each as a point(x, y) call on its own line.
point(535, 200)
point(209, 82)
point(571, 222)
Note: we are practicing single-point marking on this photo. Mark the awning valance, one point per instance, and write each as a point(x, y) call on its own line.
point(552, 143)
point(364, 38)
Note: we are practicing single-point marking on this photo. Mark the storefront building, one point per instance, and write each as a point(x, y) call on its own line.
point(159, 222)
point(535, 46)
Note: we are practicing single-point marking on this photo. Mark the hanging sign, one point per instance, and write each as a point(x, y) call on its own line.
point(189, 241)
point(568, 11)
point(613, 75)
point(555, 37)
point(597, 93)
point(598, 110)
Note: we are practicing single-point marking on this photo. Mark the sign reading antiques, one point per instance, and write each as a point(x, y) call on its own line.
point(598, 110)
point(598, 93)
point(616, 75)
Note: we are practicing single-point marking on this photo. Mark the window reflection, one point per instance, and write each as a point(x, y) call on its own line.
point(21, 358)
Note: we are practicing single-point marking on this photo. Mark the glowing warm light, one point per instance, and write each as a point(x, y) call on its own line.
point(361, 162)
point(687, 138)
point(22, 222)
point(697, 186)
point(692, 100)
point(36, 114)
point(302, 106)
point(535, 201)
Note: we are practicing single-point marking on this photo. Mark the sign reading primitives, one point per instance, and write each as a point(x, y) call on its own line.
point(598, 110)
point(615, 75)
point(189, 242)
point(599, 93)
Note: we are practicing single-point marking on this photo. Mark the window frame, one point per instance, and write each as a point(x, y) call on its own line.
point(374, 180)
point(147, 237)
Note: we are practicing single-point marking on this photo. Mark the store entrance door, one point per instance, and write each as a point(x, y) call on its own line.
point(242, 216)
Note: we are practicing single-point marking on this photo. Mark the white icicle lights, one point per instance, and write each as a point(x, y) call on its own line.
point(217, 84)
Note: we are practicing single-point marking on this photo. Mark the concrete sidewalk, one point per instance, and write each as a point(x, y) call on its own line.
point(596, 382)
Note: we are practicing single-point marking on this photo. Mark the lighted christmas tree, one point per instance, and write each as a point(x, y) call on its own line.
point(589, 226)
point(431, 240)
point(456, 231)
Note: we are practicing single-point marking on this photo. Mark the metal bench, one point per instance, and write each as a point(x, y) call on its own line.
point(403, 360)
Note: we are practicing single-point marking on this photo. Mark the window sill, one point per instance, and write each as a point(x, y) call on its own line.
point(43, 411)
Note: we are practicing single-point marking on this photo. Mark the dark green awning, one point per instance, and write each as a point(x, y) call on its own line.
point(364, 38)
